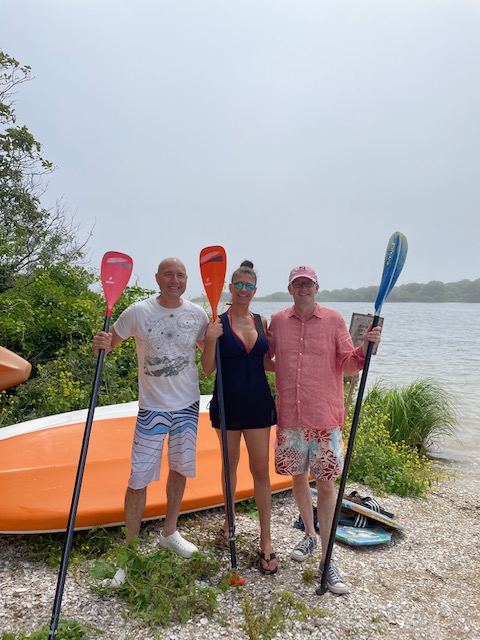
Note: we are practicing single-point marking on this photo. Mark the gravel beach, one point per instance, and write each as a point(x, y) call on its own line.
point(424, 584)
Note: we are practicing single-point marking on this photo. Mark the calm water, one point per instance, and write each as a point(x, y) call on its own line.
point(441, 341)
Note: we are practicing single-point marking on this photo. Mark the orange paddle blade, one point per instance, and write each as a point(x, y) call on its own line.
point(213, 266)
point(13, 369)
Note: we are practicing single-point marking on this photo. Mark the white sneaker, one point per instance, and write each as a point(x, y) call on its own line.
point(119, 578)
point(177, 544)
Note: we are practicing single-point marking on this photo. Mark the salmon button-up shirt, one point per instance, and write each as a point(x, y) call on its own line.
point(311, 356)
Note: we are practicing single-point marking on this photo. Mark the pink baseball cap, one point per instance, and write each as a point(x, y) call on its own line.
point(302, 272)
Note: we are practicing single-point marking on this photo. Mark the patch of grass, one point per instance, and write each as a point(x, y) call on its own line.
point(418, 414)
point(261, 624)
point(86, 545)
point(309, 575)
point(66, 630)
point(248, 507)
point(161, 588)
point(285, 610)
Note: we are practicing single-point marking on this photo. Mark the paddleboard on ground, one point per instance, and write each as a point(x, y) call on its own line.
point(13, 369)
point(39, 460)
point(359, 536)
point(349, 534)
point(373, 515)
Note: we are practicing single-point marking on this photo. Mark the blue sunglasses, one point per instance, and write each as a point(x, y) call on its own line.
point(248, 285)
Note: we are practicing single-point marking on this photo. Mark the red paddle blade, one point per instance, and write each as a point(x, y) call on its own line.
point(213, 266)
point(115, 271)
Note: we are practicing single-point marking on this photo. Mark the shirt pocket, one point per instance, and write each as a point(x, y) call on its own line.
point(316, 344)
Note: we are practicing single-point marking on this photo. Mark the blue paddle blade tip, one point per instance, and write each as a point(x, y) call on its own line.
point(395, 257)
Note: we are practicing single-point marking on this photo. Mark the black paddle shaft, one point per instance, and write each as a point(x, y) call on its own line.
point(226, 466)
point(62, 574)
point(343, 481)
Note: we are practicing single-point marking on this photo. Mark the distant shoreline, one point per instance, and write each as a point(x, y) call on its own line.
point(319, 298)
point(434, 291)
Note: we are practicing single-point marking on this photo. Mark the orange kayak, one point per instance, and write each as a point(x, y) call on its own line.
point(13, 369)
point(39, 461)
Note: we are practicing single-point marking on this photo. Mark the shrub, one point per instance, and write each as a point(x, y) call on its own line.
point(418, 414)
point(386, 466)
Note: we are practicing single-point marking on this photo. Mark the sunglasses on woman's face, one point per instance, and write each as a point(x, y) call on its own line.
point(248, 285)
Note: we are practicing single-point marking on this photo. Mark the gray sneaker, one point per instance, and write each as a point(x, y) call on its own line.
point(334, 579)
point(304, 548)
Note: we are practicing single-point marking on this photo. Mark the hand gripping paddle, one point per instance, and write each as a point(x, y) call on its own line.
point(395, 256)
point(213, 266)
point(115, 272)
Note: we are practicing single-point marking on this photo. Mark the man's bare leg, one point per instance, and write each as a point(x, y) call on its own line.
point(303, 499)
point(135, 501)
point(325, 510)
point(175, 490)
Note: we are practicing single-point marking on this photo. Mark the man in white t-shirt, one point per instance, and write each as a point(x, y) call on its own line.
point(167, 329)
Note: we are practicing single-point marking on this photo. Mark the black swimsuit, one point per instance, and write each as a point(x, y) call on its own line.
point(247, 398)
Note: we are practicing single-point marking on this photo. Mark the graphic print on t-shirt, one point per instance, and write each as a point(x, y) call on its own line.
point(169, 344)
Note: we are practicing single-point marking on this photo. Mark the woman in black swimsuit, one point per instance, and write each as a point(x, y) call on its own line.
point(248, 403)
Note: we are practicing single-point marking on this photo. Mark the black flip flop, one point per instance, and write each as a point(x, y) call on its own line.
point(262, 556)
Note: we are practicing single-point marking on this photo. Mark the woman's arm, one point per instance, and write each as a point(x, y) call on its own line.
point(214, 331)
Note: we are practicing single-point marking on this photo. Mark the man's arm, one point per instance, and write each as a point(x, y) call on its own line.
point(268, 362)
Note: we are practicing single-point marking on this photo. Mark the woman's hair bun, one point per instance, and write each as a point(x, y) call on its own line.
point(247, 263)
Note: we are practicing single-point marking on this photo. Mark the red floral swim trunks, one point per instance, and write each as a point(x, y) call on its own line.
point(319, 451)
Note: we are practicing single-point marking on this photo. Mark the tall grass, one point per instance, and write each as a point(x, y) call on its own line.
point(387, 466)
point(418, 414)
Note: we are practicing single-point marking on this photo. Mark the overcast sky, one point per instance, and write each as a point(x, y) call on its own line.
point(289, 132)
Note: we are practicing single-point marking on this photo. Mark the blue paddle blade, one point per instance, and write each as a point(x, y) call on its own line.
point(394, 260)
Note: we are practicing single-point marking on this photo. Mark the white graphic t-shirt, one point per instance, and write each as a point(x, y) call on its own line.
point(165, 341)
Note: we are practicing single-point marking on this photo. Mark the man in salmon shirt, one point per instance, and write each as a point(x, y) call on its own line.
point(312, 349)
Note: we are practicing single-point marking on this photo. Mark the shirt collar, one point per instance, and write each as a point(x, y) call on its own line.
point(319, 312)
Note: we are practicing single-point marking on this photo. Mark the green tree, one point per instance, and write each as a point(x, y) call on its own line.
point(464, 291)
point(31, 236)
point(434, 291)
point(51, 323)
